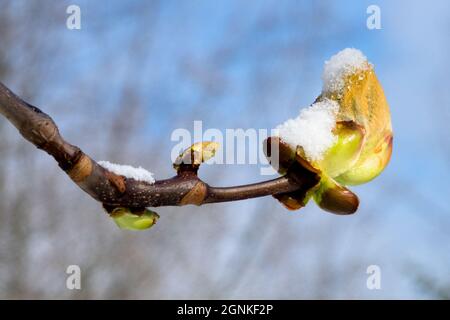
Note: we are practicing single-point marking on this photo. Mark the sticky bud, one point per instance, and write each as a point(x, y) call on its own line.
point(191, 158)
point(363, 140)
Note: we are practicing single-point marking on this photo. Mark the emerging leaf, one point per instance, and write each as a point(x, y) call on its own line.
point(343, 155)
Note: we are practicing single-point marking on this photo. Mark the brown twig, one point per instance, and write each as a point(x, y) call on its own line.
point(117, 191)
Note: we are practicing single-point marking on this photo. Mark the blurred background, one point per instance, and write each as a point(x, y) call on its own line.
point(138, 70)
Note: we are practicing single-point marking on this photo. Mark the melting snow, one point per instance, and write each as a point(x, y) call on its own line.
point(138, 174)
point(312, 129)
point(342, 64)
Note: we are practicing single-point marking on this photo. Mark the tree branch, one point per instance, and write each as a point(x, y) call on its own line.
point(113, 190)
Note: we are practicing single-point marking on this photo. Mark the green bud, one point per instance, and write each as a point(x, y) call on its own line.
point(125, 219)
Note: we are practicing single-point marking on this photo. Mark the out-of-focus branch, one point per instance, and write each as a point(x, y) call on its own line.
point(113, 190)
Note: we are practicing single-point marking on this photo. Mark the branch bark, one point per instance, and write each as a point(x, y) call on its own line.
point(113, 190)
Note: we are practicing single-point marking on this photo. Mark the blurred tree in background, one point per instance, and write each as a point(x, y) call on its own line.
point(118, 88)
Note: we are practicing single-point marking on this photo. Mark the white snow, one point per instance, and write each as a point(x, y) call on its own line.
point(342, 64)
point(312, 129)
point(138, 174)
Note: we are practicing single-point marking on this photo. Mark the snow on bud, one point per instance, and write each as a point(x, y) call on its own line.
point(354, 148)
